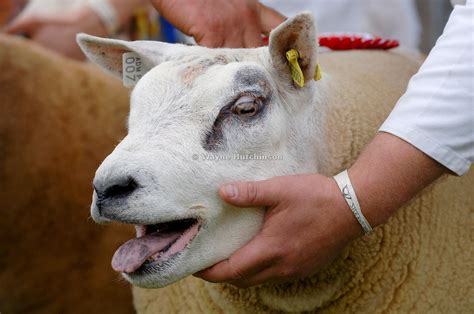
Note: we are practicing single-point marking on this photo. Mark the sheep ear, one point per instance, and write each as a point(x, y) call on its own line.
point(298, 33)
point(126, 60)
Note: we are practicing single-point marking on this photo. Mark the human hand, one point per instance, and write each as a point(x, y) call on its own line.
point(221, 23)
point(307, 223)
point(58, 32)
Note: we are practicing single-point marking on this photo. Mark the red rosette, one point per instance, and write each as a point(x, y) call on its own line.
point(353, 42)
point(359, 41)
point(356, 41)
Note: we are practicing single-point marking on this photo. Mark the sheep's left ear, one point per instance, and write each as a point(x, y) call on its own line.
point(295, 34)
point(127, 60)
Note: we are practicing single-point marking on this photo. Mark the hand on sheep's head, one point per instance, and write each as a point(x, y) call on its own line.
point(307, 223)
point(222, 23)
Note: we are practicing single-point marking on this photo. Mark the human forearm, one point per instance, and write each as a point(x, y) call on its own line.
point(435, 115)
point(389, 173)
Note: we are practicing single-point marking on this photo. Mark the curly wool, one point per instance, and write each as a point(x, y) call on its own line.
point(418, 262)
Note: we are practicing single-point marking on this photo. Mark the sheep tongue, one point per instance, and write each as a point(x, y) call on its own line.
point(133, 253)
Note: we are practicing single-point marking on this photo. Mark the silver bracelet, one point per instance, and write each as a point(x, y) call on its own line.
point(345, 185)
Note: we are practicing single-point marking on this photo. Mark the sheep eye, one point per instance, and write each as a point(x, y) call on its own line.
point(246, 106)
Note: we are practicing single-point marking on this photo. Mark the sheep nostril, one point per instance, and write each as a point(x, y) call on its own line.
point(117, 190)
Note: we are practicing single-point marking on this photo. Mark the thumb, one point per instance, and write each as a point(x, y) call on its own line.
point(251, 194)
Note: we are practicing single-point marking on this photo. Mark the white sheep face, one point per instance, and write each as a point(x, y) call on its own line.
point(198, 119)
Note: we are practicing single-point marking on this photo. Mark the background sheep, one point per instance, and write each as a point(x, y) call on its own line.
point(59, 119)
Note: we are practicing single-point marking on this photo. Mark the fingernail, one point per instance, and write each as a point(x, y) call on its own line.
point(231, 191)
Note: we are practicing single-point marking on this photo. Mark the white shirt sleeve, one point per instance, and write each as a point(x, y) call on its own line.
point(436, 114)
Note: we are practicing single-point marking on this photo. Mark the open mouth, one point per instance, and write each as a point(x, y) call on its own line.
point(154, 244)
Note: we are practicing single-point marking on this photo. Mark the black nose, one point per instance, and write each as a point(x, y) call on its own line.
point(119, 189)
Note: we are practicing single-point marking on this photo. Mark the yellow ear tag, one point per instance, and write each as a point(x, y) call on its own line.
point(292, 56)
point(317, 76)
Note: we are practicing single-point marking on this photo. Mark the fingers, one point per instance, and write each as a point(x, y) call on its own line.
point(248, 261)
point(211, 41)
point(252, 194)
point(252, 38)
point(248, 38)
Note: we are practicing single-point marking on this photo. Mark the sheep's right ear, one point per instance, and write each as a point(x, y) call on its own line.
point(116, 56)
point(295, 39)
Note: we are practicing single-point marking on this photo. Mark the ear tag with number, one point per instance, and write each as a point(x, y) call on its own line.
point(292, 56)
point(133, 68)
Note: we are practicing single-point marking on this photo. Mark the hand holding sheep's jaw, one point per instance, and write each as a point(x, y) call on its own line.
point(304, 229)
point(195, 101)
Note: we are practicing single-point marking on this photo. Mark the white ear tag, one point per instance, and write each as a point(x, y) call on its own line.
point(133, 68)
